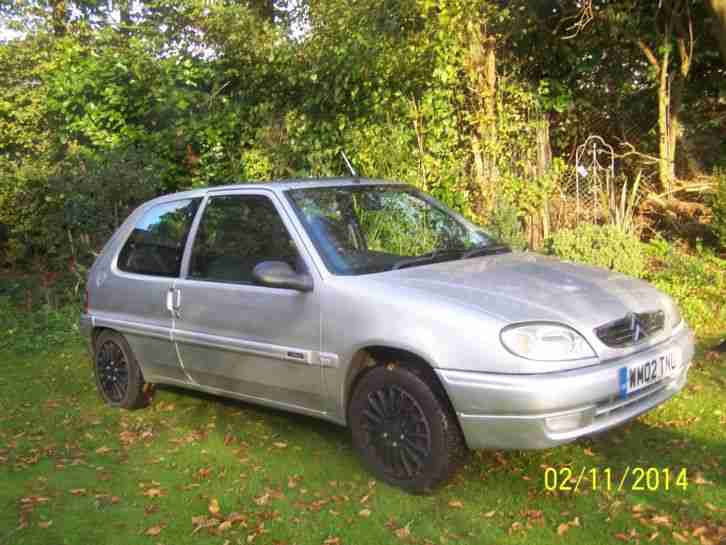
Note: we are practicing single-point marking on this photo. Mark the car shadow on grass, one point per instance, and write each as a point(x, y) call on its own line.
point(634, 453)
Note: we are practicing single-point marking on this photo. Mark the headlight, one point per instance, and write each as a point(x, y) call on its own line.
point(546, 342)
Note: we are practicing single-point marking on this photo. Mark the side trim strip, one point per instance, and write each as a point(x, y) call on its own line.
point(286, 353)
point(134, 328)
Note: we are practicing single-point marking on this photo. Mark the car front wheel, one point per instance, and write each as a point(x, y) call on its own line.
point(403, 429)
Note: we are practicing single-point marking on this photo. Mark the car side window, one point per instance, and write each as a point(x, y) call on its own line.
point(236, 233)
point(156, 245)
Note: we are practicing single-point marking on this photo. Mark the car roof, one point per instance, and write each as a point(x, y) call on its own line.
point(275, 185)
point(298, 183)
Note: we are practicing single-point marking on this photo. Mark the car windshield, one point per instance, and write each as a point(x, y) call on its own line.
point(374, 228)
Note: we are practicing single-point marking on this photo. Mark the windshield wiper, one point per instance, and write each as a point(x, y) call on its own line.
point(443, 255)
point(432, 257)
point(489, 249)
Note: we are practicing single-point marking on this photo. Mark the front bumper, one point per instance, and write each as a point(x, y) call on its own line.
point(505, 411)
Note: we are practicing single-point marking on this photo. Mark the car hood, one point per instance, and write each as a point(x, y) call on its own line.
point(517, 287)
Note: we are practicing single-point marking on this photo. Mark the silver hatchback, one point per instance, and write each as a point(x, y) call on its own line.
point(372, 305)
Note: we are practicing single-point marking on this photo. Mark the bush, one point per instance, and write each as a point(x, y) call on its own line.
point(696, 281)
point(600, 245)
point(504, 224)
point(66, 211)
point(718, 224)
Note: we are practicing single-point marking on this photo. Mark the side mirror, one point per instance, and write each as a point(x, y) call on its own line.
point(278, 274)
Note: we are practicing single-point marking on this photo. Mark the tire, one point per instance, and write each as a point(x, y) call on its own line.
point(405, 433)
point(119, 380)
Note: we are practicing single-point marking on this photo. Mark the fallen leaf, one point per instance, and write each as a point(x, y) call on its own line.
point(236, 517)
point(456, 504)
point(588, 452)
point(489, 514)
point(226, 525)
point(45, 523)
point(214, 506)
point(711, 507)
point(516, 526)
point(562, 529)
point(680, 537)
point(280, 444)
point(102, 450)
point(153, 492)
point(78, 491)
point(262, 500)
point(332, 541)
point(700, 479)
point(153, 531)
point(402, 533)
point(364, 513)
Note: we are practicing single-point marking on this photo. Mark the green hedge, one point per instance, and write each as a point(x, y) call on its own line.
point(600, 245)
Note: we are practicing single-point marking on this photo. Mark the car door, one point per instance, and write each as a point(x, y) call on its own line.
point(136, 298)
point(260, 343)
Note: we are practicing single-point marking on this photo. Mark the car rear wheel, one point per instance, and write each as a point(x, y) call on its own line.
point(404, 430)
point(118, 375)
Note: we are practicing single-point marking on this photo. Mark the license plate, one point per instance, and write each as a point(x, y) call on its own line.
point(637, 376)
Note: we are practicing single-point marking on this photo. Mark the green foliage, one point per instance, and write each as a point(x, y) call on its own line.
point(602, 246)
point(69, 209)
point(696, 281)
point(718, 206)
point(37, 313)
point(504, 223)
point(463, 98)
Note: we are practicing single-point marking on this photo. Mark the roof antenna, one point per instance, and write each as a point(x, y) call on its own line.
point(347, 163)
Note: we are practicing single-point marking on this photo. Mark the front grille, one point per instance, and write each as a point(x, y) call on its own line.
point(631, 329)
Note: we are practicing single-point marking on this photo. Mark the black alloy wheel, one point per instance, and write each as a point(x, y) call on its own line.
point(403, 427)
point(119, 379)
point(398, 431)
point(113, 371)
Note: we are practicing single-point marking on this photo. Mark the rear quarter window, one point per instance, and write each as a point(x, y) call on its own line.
point(156, 245)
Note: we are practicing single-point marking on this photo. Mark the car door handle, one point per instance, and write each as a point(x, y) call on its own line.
point(177, 302)
point(173, 302)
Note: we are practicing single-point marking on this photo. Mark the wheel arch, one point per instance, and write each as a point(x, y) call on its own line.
point(95, 334)
point(376, 355)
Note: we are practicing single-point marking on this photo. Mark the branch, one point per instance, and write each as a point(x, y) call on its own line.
point(648, 52)
point(631, 151)
point(579, 21)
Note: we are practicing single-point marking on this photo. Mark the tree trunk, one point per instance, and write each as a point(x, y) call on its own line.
point(666, 140)
point(676, 27)
point(718, 11)
point(544, 148)
point(481, 67)
point(124, 12)
point(59, 17)
point(265, 8)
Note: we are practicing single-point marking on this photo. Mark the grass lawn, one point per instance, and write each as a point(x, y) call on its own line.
point(198, 469)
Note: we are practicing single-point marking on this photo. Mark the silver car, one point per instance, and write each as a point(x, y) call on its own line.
point(372, 305)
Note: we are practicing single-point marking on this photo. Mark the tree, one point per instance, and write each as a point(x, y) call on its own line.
point(718, 26)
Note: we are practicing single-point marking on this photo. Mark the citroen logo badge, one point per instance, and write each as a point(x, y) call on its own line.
point(635, 327)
